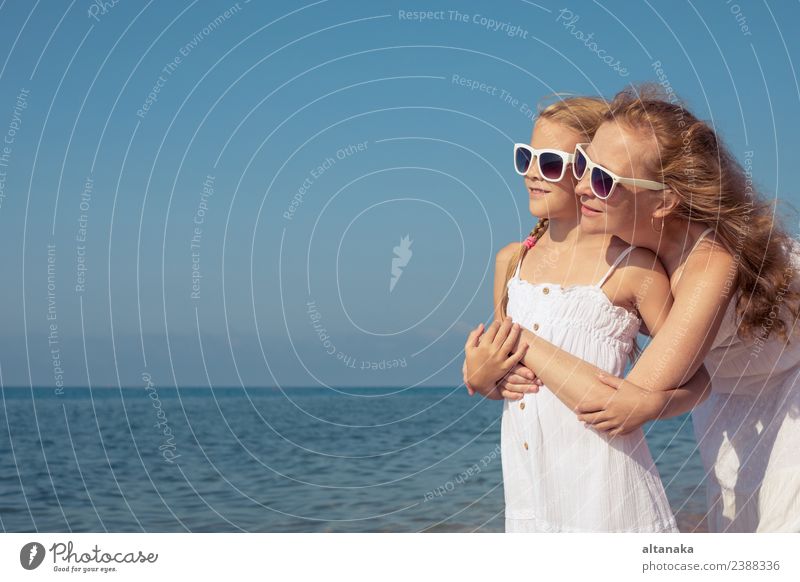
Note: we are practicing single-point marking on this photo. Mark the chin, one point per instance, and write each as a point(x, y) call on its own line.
point(538, 208)
point(593, 225)
point(551, 207)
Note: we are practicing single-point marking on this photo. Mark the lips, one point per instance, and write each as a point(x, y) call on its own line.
point(589, 211)
point(536, 191)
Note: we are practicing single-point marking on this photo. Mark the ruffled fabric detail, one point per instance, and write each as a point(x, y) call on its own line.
point(583, 307)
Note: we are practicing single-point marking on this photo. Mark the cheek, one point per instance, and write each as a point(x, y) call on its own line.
point(563, 197)
point(567, 183)
point(620, 206)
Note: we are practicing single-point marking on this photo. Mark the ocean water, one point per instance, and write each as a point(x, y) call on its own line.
point(266, 460)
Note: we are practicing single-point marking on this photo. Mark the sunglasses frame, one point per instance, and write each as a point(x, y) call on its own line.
point(590, 167)
point(566, 158)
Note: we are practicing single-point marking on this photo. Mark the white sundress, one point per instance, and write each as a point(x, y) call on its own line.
point(557, 475)
point(748, 430)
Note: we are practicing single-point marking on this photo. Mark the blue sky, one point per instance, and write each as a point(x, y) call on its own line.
point(268, 157)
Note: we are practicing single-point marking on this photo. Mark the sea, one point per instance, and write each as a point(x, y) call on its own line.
point(158, 459)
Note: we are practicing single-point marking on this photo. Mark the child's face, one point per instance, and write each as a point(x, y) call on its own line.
point(552, 199)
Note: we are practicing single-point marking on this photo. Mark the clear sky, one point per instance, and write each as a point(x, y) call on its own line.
point(212, 192)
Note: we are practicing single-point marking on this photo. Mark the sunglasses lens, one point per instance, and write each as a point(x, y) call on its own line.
point(579, 166)
point(522, 160)
point(551, 165)
point(601, 183)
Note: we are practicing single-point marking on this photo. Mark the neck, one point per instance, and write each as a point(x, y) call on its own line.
point(562, 229)
point(677, 237)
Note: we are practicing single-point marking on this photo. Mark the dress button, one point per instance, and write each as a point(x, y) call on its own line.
point(535, 327)
point(522, 405)
point(525, 444)
point(546, 290)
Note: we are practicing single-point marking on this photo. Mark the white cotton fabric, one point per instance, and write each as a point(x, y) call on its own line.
point(571, 478)
point(748, 430)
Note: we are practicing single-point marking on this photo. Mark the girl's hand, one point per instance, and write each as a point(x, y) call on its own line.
point(492, 355)
point(492, 394)
point(624, 411)
point(470, 389)
point(518, 382)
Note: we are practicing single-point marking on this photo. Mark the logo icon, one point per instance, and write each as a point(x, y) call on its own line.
point(402, 256)
point(31, 555)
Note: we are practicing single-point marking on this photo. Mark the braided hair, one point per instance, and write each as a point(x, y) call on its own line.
point(536, 234)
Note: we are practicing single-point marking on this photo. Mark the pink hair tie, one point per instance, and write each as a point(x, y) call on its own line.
point(529, 242)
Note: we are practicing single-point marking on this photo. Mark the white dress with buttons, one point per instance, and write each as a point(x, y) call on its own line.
point(559, 476)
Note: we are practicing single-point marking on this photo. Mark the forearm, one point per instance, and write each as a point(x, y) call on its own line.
point(568, 377)
point(575, 381)
point(677, 401)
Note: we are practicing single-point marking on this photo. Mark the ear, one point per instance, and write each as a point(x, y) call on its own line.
point(668, 201)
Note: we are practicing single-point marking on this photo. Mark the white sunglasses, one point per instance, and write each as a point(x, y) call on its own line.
point(552, 163)
point(602, 180)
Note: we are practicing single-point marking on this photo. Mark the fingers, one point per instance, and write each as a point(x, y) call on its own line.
point(586, 407)
point(516, 383)
point(491, 331)
point(516, 356)
point(592, 418)
point(512, 339)
point(530, 377)
point(603, 426)
point(520, 388)
point(502, 333)
point(610, 380)
point(474, 335)
point(521, 370)
point(511, 395)
point(515, 380)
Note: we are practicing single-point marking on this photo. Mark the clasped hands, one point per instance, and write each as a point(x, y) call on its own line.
point(493, 368)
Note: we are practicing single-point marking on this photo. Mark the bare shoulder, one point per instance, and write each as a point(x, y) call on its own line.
point(711, 249)
point(644, 281)
point(506, 254)
point(640, 278)
point(642, 263)
point(709, 263)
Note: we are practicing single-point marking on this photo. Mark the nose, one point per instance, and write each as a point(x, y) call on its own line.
point(583, 188)
point(533, 169)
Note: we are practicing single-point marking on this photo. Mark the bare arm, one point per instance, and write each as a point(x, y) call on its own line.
point(701, 298)
point(631, 406)
point(600, 397)
point(685, 337)
point(571, 378)
point(504, 256)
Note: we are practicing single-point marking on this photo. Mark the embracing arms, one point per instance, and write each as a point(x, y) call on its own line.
point(657, 386)
point(667, 380)
point(473, 365)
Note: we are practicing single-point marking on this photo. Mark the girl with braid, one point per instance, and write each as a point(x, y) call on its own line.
point(588, 294)
point(658, 177)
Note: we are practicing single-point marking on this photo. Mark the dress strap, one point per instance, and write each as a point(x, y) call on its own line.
point(703, 235)
point(621, 256)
